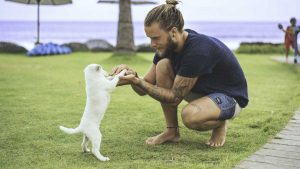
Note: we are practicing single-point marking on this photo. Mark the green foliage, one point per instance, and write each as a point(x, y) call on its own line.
point(261, 48)
point(39, 94)
point(8, 47)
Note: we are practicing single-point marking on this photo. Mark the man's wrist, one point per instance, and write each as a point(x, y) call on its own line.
point(137, 81)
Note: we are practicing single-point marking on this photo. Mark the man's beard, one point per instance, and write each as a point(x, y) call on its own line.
point(169, 51)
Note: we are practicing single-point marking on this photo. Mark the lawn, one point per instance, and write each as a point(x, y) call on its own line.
point(39, 94)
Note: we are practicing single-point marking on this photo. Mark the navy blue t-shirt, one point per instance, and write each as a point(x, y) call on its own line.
point(216, 66)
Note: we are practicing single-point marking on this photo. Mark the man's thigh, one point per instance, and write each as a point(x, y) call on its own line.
point(200, 109)
point(216, 106)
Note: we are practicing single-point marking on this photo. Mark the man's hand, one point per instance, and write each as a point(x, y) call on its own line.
point(131, 78)
point(119, 68)
point(130, 73)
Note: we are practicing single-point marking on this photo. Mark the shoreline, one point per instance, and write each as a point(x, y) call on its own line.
point(59, 32)
point(232, 45)
point(143, 47)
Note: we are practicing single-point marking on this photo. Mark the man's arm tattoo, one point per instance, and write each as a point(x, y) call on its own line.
point(158, 93)
point(175, 95)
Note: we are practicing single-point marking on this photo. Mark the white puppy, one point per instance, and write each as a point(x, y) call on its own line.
point(98, 89)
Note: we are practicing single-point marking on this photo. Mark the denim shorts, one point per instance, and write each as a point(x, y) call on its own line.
point(228, 106)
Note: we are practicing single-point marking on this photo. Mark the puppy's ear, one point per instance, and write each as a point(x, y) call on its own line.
point(98, 67)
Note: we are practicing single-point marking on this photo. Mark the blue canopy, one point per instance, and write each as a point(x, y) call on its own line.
point(49, 49)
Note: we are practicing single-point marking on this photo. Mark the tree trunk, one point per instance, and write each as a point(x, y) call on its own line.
point(125, 41)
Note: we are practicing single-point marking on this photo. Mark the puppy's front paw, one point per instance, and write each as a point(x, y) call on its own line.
point(122, 73)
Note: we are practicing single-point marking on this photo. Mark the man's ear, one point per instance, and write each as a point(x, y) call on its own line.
point(174, 31)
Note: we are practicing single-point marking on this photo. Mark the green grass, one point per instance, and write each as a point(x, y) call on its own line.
point(39, 94)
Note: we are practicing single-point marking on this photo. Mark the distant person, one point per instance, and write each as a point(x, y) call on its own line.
point(290, 38)
point(189, 66)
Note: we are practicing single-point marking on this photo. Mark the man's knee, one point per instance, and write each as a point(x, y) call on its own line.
point(164, 66)
point(164, 73)
point(164, 62)
point(188, 117)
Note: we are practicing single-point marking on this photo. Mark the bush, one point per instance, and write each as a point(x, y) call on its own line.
point(260, 48)
point(144, 48)
point(99, 45)
point(77, 47)
point(8, 47)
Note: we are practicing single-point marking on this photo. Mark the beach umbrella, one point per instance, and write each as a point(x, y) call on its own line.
point(38, 3)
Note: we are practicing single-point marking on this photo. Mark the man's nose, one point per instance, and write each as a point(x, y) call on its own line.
point(153, 44)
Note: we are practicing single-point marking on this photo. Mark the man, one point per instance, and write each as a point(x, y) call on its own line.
point(190, 66)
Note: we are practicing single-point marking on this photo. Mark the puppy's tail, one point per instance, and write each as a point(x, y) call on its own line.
point(70, 130)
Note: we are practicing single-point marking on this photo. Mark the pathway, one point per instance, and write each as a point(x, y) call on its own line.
point(283, 152)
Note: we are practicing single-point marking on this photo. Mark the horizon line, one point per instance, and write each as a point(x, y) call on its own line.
point(212, 21)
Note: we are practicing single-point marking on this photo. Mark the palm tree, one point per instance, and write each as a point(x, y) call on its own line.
point(125, 39)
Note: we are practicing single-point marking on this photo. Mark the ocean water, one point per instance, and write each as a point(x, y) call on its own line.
point(231, 33)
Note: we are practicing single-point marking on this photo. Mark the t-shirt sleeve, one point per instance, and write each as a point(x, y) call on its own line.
point(156, 58)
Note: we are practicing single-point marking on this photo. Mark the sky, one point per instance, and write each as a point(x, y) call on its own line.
point(192, 10)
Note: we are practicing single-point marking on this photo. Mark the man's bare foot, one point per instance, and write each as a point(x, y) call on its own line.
point(169, 135)
point(218, 136)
